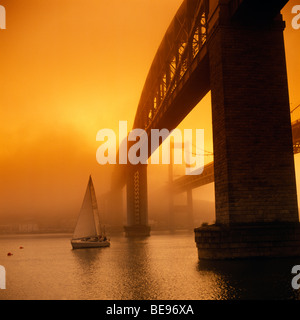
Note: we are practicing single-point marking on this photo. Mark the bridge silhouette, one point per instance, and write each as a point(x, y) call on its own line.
point(235, 49)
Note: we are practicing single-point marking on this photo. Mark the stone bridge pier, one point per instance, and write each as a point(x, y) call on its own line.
point(255, 188)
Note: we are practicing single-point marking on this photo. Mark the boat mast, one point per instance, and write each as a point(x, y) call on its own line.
point(95, 207)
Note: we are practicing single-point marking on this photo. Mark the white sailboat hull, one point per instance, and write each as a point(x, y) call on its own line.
point(83, 244)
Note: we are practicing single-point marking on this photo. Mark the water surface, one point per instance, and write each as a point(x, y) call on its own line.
point(163, 266)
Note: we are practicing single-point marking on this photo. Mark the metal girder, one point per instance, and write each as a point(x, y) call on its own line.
point(181, 44)
point(191, 182)
point(296, 136)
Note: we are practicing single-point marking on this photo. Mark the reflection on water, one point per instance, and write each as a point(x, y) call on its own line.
point(136, 269)
point(164, 266)
point(262, 279)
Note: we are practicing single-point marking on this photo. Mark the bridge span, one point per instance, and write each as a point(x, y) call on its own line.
point(235, 49)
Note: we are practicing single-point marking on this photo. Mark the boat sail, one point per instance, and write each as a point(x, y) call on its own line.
point(88, 233)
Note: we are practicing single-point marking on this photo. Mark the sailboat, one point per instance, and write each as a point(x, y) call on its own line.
point(88, 231)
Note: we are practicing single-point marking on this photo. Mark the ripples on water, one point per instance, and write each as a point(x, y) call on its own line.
point(163, 266)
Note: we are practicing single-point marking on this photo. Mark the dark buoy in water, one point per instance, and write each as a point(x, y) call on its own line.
point(9, 254)
point(21, 247)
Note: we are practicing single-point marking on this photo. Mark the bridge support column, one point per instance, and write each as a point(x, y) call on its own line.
point(255, 189)
point(137, 202)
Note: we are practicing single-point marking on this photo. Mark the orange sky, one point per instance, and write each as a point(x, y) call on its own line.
point(68, 69)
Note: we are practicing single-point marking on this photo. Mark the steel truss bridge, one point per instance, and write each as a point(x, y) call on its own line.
point(235, 49)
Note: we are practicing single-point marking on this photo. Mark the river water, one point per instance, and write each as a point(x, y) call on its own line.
point(162, 267)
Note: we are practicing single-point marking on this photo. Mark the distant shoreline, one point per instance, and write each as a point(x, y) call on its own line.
point(35, 234)
point(68, 234)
